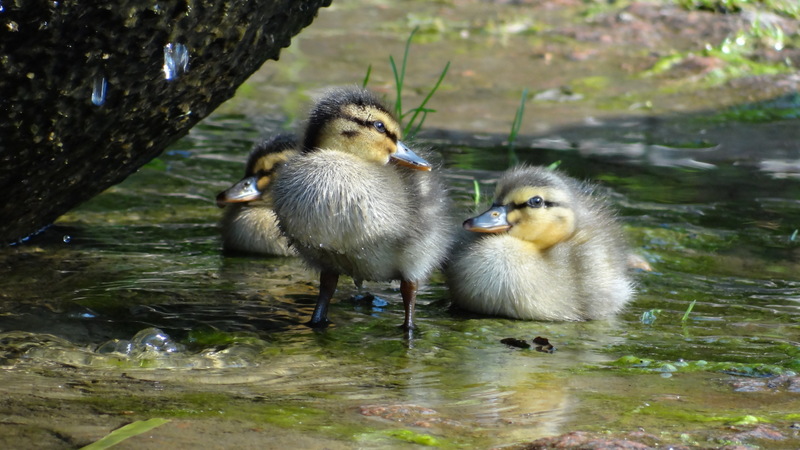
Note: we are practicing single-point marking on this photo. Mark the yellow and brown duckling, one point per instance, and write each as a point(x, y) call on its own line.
point(358, 202)
point(248, 223)
point(548, 250)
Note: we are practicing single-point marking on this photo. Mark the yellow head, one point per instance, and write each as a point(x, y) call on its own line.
point(538, 211)
point(263, 162)
point(355, 121)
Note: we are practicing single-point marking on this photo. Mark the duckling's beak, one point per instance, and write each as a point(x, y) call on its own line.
point(245, 190)
point(405, 157)
point(492, 221)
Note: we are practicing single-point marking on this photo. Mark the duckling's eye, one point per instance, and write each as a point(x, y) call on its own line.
point(379, 126)
point(536, 202)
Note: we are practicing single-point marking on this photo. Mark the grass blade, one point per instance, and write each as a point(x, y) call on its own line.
point(400, 75)
point(688, 311)
point(366, 77)
point(477, 192)
point(421, 108)
point(515, 127)
point(398, 86)
point(128, 431)
point(517, 124)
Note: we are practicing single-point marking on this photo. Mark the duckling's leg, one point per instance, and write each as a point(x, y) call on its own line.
point(327, 286)
point(408, 289)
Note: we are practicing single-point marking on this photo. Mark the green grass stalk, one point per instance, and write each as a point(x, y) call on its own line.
point(688, 311)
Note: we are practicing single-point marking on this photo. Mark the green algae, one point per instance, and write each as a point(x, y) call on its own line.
point(401, 435)
point(782, 108)
point(259, 411)
point(783, 7)
point(635, 364)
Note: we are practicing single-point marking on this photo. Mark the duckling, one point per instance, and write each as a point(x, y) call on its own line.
point(249, 224)
point(358, 202)
point(550, 250)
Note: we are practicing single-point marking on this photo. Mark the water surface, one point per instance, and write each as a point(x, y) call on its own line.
point(711, 206)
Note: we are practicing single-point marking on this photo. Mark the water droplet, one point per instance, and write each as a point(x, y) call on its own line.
point(1, 6)
point(176, 60)
point(67, 239)
point(99, 90)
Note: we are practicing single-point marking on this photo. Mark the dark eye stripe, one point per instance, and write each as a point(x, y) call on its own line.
point(547, 204)
point(371, 124)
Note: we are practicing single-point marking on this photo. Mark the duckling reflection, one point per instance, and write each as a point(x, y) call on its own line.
point(352, 202)
point(249, 224)
point(551, 251)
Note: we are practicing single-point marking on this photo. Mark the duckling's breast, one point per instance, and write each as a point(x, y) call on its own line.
point(505, 276)
point(501, 275)
point(347, 215)
point(253, 229)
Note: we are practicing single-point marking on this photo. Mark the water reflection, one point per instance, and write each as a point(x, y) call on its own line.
point(99, 88)
point(176, 60)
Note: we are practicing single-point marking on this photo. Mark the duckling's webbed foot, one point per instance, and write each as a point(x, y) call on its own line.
point(327, 286)
point(408, 289)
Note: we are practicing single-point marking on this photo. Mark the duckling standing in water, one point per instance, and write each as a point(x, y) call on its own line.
point(552, 251)
point(358, 202)
point(249, 224)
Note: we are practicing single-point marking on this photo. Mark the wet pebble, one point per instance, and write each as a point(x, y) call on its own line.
point(409, 414)
point(767, 432)
point(586, 440)
point(785, 383)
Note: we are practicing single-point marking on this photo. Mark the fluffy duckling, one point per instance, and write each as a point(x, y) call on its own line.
point(551, 251)
point(249, 224)
point(358, 202)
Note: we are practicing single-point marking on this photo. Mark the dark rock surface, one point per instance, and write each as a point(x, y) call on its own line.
point(91, 91)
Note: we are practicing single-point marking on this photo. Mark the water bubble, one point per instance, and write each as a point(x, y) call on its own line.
point(153, 339)
point(123, 346)
point(1, 6)
point(67, 239)
point(176, 60)
point(99, 91)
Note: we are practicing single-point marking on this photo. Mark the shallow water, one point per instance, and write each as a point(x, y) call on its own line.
point(147, 254)
point(718, 225)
